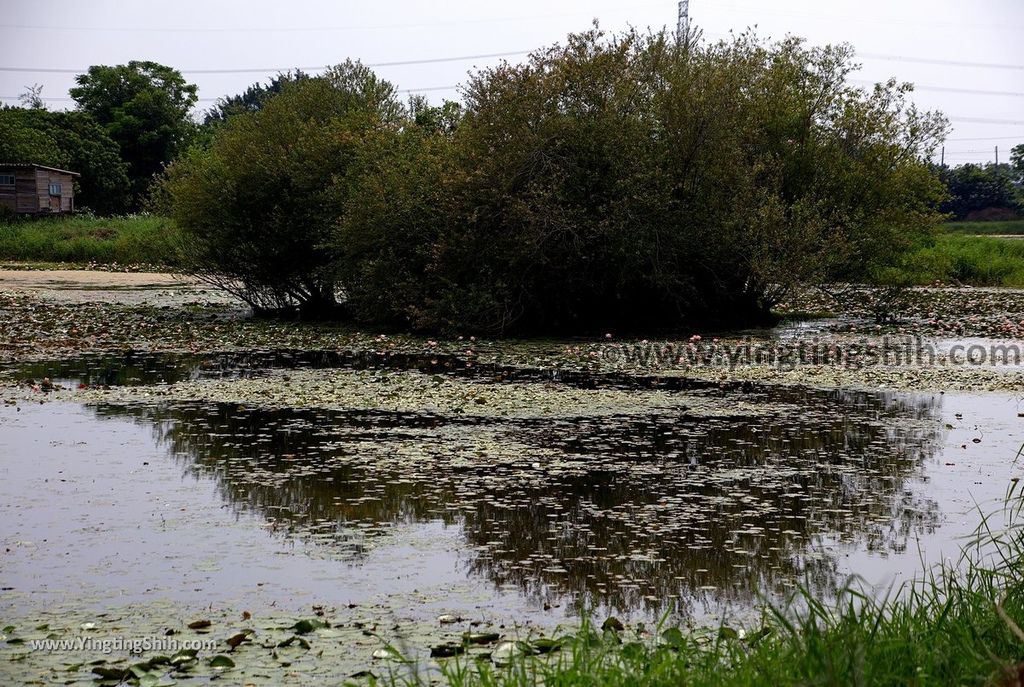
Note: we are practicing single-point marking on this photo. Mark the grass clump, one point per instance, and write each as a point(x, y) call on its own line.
point(85, 238)
point(958, 625)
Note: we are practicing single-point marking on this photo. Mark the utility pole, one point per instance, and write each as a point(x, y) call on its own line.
point(683, 27)
point(942, 160)
point(997, 156)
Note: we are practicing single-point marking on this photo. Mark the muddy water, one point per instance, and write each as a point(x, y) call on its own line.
point(495, 518)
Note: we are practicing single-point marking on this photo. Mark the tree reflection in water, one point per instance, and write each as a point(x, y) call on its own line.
point(654, 512)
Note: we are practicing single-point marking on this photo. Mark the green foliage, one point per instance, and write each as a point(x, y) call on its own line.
point(398, 200)
point(974, 188)
point(252, 99)
point(1017, 162)
point(974, 260)
point(618, 182)
point(85, 238)
point(622, 182)
point(260, 204)
point(144, 107)
point(22, 140)
point(68, 140)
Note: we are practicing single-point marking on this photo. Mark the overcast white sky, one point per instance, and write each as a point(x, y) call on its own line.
point(259, 34)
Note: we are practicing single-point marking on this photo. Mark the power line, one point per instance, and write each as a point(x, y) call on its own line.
point(267, 70)
point(947, 63)
point(990, 138)
point(321, 29)
point(520, 53)
point(872, 20)
point(65, 99)
point(986, 120)
point(969, 152)
point(949, 89)
point(969, 91)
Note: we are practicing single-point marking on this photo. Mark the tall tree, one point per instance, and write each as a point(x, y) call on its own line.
point(144, 107)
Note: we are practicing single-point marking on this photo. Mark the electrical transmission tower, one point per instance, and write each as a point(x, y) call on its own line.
point(684, 20)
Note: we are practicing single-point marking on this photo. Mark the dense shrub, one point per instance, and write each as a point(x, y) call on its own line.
point(613, 182)
point(627, 182)
point(258, 207)
point(403, 195)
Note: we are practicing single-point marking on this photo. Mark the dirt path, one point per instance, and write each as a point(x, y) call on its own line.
point(135, 288)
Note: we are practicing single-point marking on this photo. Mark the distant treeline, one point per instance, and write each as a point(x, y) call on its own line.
point(985, 192)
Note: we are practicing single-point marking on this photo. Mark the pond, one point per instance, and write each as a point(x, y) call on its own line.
point(696, 509)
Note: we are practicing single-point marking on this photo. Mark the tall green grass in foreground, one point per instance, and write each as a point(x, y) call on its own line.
point(84, 238)
point(957, 626)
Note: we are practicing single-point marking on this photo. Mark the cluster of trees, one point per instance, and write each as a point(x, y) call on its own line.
point(130, 121)
point(985, 191)
point(611, 182)
point(68, 140)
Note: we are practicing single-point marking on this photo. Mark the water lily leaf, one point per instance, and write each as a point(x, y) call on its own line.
point(235, 640)
point(221, 661)
point(612, 624)
point(183, 657)
point(106, 673)
point(388, 651)
point(673, 636)
point(480, 637)
point(446, 650)
point(727, 633)
point(364, 674)
point(545, 645)
point(139, 670)
point(504, 653)
point(294, 639)
point(304, 627)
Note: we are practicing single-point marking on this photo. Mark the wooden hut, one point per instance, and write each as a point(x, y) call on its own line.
point(29, 189)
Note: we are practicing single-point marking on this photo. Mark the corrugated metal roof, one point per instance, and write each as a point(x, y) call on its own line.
point(29, 165)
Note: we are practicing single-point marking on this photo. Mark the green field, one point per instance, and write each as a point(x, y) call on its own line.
point(1013, 227)
point(136, 240)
